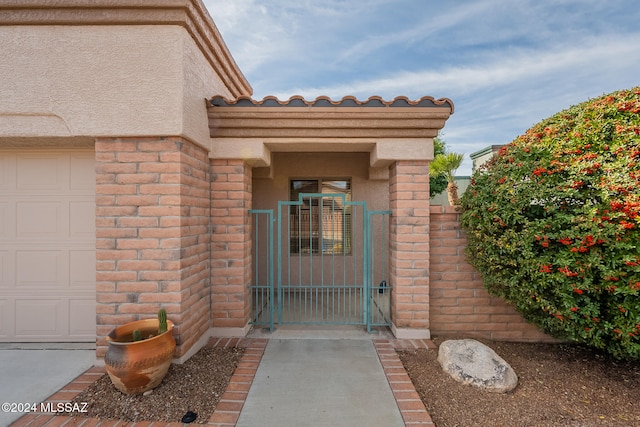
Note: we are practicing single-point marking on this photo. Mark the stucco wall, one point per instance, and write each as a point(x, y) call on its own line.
point(113, 80)
point(200, 81)
point(267, 192)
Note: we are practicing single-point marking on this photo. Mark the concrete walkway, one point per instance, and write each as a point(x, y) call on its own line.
point(320, 382)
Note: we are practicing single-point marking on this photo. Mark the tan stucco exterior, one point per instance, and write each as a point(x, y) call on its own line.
point(89, 68)
point(286, 166)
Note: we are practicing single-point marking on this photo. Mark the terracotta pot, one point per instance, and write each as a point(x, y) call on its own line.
point(135, 367)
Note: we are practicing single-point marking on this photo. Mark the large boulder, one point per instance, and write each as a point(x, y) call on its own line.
point(471, 362)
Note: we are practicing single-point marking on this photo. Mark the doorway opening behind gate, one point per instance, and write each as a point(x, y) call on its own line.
point(321, 259)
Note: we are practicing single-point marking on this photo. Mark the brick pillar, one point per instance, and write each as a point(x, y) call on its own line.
point(152, 235)
point(231, 246)
point(409, 240)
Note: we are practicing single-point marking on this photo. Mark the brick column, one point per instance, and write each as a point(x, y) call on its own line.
point(152, 235)
point(409, 240)
point(231, 246)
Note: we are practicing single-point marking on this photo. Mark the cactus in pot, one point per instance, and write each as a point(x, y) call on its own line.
point(136, 366)
point(162, 321)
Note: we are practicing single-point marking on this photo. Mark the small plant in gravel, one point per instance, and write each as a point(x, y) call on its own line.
point(553, 223)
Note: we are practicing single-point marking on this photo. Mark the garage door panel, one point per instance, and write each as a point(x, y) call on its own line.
point(6, 167)
point(6, 314)
point(39, 268)
point(82, 269)
point(82, 166)
point(49, 318)
point(82, 222)
point(47, 245)
point(4, 218)
point(6, 281)
point(40, 318)
point(40, 172)
point(40, 219)
point(82, 318)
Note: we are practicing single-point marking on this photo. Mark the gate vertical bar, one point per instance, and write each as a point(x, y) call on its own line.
point(271, 273)
point(260, 290)
point(380, 295)
point(280, 226)
point(365, 267)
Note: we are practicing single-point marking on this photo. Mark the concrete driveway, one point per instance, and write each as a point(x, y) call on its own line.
point(31, 373)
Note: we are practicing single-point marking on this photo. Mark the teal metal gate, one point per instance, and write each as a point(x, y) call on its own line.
point(328, 263)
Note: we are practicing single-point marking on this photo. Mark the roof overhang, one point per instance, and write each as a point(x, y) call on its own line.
point(399, 129)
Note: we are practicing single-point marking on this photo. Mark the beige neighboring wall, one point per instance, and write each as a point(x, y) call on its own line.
point(140, 68)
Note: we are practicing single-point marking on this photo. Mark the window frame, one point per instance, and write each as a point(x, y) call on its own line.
point(317, 221)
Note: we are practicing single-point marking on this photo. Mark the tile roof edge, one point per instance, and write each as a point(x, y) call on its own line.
point(325, 101)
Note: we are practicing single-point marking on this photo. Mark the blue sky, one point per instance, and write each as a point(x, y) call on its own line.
point(505, 64)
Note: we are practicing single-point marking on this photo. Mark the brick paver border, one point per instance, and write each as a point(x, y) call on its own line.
point(232, 400)
point(411, 407)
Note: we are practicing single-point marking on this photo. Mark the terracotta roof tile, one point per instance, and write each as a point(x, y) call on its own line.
point(325, 101)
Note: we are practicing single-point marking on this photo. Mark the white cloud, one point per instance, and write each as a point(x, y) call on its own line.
point(598, 56)
point(419, 31)
point(253, 35)
point(505, 68)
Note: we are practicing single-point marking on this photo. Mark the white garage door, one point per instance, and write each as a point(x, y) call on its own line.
point(47, 246)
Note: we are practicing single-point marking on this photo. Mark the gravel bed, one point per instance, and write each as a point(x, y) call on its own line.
point(195, 385)
point(558, 385)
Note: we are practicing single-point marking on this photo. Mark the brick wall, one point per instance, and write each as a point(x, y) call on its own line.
point(409, 244)
point(173, 231)
point(152, 235)
point(460, 305)
point(231, 242)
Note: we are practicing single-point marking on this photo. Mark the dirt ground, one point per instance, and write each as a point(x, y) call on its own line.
point(195, 386)
point(558, 385)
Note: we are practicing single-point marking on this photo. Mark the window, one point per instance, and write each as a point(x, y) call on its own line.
point(320, 221)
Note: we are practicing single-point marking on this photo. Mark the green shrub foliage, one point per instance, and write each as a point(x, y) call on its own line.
point(553, 223)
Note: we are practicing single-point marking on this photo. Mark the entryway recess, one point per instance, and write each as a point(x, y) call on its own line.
point(321, 260)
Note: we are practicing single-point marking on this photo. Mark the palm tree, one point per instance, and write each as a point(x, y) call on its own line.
point(437, 183)
point(447, 164)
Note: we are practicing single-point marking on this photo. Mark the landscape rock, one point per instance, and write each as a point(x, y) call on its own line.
point(471, 362)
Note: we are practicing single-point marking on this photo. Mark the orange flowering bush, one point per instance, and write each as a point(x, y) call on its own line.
point(553, 223)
